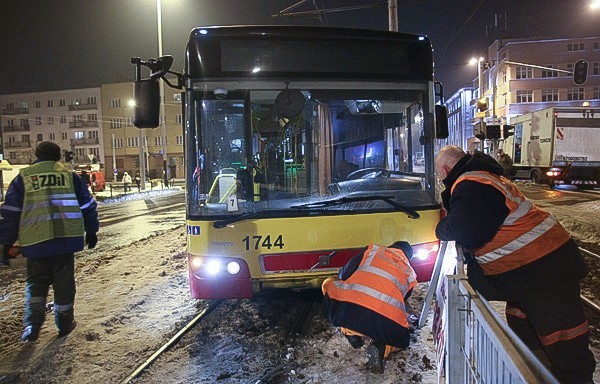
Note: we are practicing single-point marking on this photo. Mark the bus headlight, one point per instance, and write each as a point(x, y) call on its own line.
point(233, 267)
point(213, 267)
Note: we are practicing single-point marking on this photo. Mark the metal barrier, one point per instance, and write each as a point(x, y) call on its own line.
point(480, 348)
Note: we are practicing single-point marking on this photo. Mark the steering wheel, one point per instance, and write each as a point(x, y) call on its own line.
point(368, 173)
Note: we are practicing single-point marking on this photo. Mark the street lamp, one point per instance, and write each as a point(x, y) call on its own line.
point(162, 94)
point(595, 5)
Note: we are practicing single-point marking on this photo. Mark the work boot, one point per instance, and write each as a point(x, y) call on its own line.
point(67, 329)
point(355, 341)
point(31, 333)
point(375, 354)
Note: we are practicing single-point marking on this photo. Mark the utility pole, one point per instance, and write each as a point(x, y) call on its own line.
point(393, 15)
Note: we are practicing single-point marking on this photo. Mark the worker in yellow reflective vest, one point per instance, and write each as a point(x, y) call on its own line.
point(48, 208)
point(518, 253)
point(369, 300)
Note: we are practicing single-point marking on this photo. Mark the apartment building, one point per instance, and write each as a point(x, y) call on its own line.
point(71, 118)
point(518, 76)
point(126, 146)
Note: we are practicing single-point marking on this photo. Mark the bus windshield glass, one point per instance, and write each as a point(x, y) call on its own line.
point(270, 146)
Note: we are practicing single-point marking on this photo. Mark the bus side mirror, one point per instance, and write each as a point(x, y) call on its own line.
point(441, 122)
point(146, 94)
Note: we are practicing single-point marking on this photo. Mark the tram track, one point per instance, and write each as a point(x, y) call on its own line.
point(172, 341)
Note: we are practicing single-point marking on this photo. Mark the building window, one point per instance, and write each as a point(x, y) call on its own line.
point(38, 104)
point(38, 121)
point(64, 135)
point(63, 119)
point(158, 141)
point(52, 136)
point(178, 119)
point(524, 72)
point(62, 102)
point(524, 96)
point(596, 68)
point(50, 103)
point(129, 121)
point(179, 139)
point(575, 93)
point(133, 141)
point(118, 143)
point(78, 135)
point(549, 73)
point(92, 117)
point(116, 122)
point(40, 137)
point(115, 102)
point(9, 106)
point(596, 93)
point(91, 100)
point(571, 47)
point(550, 94)
point(50, 120)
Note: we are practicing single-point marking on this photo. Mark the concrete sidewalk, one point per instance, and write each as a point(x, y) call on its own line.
point(115, 191)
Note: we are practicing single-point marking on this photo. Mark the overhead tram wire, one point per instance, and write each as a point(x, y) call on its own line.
point(455, 35)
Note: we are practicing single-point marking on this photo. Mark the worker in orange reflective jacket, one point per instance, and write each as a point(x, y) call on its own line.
point(369, 299)
point(518, 253)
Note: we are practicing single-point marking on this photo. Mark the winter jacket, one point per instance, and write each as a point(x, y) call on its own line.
point(370, 299)
point(478, 219)
point(12, 213)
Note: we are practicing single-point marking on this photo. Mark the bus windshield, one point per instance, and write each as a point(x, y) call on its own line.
point(270, 146)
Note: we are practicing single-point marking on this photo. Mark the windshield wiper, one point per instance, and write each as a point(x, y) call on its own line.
point(343, 200)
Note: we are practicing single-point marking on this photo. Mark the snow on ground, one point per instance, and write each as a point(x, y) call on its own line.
point(131, 299)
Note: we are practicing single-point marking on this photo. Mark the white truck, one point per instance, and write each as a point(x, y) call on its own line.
point(558, 145)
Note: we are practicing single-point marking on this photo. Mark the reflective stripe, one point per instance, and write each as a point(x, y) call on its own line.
point(52, 203)
point(519, 242)
point(62, 308)
point(565, 334)
point(524, 207)
point(62, 196)
point(60, 215)
point(11, 208)
point(84, 206)
point(37, 300)
point(370, 292)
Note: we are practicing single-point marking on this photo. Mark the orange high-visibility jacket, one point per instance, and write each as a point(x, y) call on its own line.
point(382, 279)
point(527, 234)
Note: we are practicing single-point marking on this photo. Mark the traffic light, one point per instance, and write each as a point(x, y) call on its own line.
point(479, 130)
point(507, 130)
point(69, 155)
point(580, 72)
point(492, 132)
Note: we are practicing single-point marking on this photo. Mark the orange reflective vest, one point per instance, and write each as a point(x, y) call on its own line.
point(527, 234)
point(382, 279)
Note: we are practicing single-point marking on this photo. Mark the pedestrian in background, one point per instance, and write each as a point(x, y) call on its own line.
point(48, 208)
point(126, 182)
point(518, 253)
point(369, 300)
point(506, 163)
point(85, 177)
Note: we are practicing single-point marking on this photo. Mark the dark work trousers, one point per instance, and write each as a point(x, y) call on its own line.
point(56, 271)
point(557, 325)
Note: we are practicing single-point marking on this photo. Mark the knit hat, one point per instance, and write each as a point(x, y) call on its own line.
point(47, 151)
point(404, 247)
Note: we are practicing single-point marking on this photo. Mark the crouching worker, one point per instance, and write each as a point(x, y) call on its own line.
point(369, 299)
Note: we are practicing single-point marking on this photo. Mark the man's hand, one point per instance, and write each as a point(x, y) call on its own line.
point(91, 239)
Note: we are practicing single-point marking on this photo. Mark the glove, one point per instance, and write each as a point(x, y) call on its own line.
point(4, 257)
point(91, 239)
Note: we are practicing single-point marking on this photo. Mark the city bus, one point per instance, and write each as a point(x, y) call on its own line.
point(302, 146)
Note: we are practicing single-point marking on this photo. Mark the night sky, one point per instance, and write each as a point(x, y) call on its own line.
point(62, 44)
